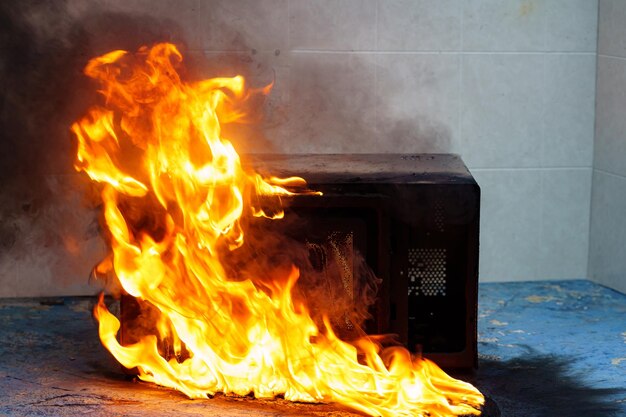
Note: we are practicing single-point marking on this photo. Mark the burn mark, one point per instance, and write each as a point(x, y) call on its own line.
point(544, 385)
point(52, 301)
point(78, 400)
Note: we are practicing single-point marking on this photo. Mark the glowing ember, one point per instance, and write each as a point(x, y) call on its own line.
point(175, 199)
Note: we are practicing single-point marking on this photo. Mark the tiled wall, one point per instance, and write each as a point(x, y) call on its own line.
point(507, 84)
point(607, 251)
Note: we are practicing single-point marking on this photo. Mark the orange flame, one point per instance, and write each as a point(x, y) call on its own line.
point(175, 195)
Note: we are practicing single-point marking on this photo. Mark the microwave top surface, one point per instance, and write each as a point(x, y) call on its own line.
point(364, 168)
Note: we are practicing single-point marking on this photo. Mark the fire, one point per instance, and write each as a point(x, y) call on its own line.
point(176, 197)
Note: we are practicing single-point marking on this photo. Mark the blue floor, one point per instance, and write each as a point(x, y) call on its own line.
point(552, 348)
point(546, 349)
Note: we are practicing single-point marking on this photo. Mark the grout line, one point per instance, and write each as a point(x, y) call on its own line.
point(543, 110)
point(460, 106)
point(542, 218)
point(612, 56)
point(577, 168)
point(461, 90)
point(437, 52)
point(589, 218)
point(542, 177)
point(289, 25)
point(377, 100)
point(288, 124)
point(593, 145)
point(544, 28)
point(376, 25)
point(462, 23)
point(399, 52)
point(233, 51)
point(609, 173)
point(542, 158)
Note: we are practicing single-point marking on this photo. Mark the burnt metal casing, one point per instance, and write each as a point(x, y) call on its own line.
point(415, 220)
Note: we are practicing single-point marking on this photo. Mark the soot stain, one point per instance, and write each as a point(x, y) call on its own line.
point(544, 385)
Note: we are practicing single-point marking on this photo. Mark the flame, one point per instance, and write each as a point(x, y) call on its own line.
point(175, 197)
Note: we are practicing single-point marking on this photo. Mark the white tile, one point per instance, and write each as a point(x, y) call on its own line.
point(332, 103)
point(501, 110)
point(417, 102)
point(241, 25)
point(419, 25)
point(510, 224)
point(565, 226)
point(610, 135)
point(332, 24)
point(607, 251)
point(611, 28)
point(569, 117)
point(572, 25)
point(495, 25)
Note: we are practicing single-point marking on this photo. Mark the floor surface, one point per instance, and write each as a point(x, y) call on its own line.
point(552, 349)
point(546, 349)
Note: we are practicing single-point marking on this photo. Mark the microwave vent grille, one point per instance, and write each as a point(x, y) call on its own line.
point(427, 272)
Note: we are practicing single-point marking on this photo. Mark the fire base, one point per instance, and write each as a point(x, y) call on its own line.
point(414, 219)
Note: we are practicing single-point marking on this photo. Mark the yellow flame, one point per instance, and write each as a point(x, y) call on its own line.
point(175, 194)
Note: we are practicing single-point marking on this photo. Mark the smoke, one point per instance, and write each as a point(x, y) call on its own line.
point(49, 233)
point(355, 103)
point(37, 69)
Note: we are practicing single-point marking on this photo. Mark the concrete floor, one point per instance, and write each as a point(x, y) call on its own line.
point(547, 349)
